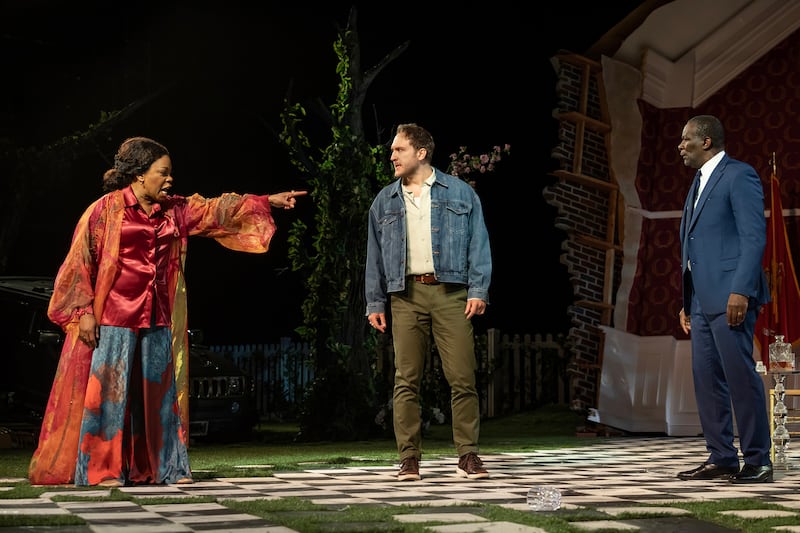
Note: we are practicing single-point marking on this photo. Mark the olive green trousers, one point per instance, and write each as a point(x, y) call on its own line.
point(421, 314)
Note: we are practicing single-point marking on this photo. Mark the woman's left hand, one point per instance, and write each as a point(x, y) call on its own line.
point(285, 200)
point(88, 330)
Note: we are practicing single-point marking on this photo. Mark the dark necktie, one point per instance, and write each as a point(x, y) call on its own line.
point(697, 178)
point(693, 193)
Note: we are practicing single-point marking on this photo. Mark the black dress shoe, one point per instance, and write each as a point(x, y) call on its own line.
point(709, 471)
point(753, 474)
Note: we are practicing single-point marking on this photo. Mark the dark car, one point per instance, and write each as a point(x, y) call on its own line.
point(221, 404)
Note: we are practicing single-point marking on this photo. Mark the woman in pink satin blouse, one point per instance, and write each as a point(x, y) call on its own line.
point(118, 408)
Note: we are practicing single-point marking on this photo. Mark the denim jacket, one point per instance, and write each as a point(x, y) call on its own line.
point(459, 239)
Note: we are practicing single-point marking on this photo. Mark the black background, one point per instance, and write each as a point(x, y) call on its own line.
point(475, 74)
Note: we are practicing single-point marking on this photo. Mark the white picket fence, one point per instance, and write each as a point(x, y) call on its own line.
point(523, 372)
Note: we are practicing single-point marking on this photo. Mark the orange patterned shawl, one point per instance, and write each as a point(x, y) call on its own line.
point(238, 222)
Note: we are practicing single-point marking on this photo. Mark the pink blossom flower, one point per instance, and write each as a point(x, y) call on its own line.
point(462, 163)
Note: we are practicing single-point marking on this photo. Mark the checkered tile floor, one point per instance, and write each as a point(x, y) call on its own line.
point(611, 473)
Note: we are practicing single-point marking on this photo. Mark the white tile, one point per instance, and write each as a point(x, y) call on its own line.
point(487, 527)
point(414, 518)
point(604, 525)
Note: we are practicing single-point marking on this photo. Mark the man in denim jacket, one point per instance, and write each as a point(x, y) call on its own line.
point(428, 254)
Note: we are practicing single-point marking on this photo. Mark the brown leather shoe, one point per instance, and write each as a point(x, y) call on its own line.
point(753, 474)
point(409, 469)
point(709, 471)
point(470, 466)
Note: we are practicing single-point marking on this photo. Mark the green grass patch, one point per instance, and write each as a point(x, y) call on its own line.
point(41, 520)
point(274, 449)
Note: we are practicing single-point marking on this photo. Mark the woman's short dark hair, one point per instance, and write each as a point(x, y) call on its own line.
point(134, 157)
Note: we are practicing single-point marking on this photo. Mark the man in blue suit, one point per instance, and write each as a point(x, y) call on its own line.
point(723, 235)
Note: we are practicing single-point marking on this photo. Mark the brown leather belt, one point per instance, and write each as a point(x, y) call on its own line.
point(426, 279)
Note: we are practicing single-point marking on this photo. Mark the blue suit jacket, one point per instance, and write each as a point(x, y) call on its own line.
point(724, 238)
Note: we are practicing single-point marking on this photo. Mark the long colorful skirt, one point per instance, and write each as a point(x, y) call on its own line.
point(131, 425)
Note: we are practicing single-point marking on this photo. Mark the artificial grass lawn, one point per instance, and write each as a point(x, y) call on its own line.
point(273, 449)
